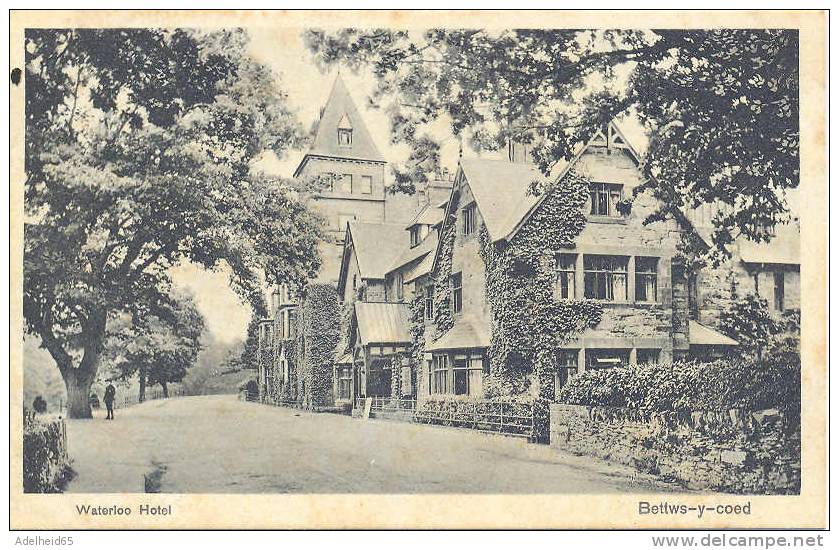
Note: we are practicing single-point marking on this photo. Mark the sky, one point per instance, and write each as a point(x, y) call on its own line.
point(308, 89)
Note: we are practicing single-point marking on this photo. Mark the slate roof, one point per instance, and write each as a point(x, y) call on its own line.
point(429, 215)
point(382, 323)
point(700, 335)
point(467, 332)
point(412, 254)
point(422, 268)
point(340, 111)
point(784, 248)
point(377, 246)
point(500, 188)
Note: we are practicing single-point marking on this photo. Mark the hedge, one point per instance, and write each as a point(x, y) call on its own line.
point(690, 386)
point(46, 466)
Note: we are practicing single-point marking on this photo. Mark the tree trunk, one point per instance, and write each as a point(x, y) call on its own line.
point(165, 389)
point(78, 393)
point(79, 380)
point(142, 396)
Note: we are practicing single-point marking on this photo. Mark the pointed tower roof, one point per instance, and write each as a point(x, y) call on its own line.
point(340, 113)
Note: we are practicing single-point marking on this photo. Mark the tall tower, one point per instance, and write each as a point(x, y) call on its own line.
point(344, 150)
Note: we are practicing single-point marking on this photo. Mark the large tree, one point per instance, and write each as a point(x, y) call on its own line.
point(720, 106)
point(139, 146)
point(157, 348)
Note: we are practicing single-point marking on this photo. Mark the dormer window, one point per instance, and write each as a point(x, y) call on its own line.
point(415, 236)
point(344, 137)
point(345, 132)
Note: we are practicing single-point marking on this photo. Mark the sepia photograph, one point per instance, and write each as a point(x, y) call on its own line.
point(421, 255)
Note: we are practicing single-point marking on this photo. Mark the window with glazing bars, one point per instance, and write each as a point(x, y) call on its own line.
point(605, 277)
point(604, 198)
point(469, 219)
point(565, 278)
point(457, 292)
point(646, 279)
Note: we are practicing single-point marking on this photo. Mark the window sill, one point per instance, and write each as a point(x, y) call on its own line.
point(624, 303)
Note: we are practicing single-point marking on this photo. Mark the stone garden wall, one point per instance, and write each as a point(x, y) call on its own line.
point(736, 451)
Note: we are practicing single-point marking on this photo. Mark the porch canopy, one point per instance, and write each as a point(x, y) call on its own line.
point(382, 323)
point(468, 332)
point(700, 335)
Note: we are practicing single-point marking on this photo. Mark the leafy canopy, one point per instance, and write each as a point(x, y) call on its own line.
point(720, 107)
point(139, 146)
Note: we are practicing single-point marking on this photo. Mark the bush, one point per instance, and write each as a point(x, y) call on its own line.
point(690, 386)
point(39, 405)
point(46, 466)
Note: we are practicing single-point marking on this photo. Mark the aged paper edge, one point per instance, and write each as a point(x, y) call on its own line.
point(224, 511)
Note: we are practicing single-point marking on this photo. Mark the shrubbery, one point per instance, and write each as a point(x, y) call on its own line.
point(690, 386)
point(46, 466)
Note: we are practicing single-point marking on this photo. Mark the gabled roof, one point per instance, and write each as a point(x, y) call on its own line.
point(700, 335)
point(429, 215)
point(467, 332)
point(340, 112)
point(382, 323)
point(615, 135)
point(784, 248)
point(500, 189)
point(422, 268)
point(376, 246)
point(412, 254)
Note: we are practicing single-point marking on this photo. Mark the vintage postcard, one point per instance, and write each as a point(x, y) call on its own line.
point(431, 269)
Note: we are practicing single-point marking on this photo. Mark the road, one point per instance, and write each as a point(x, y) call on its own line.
point(217, 444)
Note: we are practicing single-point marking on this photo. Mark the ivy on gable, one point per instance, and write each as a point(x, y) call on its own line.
point(528, 324)
point(443, 320)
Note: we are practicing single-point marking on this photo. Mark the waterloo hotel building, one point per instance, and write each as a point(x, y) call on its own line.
point(387, 250)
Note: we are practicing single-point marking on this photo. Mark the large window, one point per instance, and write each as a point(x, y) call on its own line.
point(366, 184)
point(457, 292)
point(566, 278)
point(292, 324)
point(459, 374)
point(646, 279)
point(429, 302)
point(469, 219)
point(604, 199)
point(346, 183)
point(344, 382)
point(566, 367)
point(605, 277)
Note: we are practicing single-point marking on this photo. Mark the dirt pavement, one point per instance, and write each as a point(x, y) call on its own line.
point(217, 444)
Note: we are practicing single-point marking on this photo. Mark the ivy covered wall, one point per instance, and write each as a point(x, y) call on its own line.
point(318, 333)
point(529, 325)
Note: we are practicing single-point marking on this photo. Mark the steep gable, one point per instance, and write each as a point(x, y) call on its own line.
point(340, 113)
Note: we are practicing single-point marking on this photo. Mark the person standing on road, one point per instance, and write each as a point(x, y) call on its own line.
point(110, 393)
